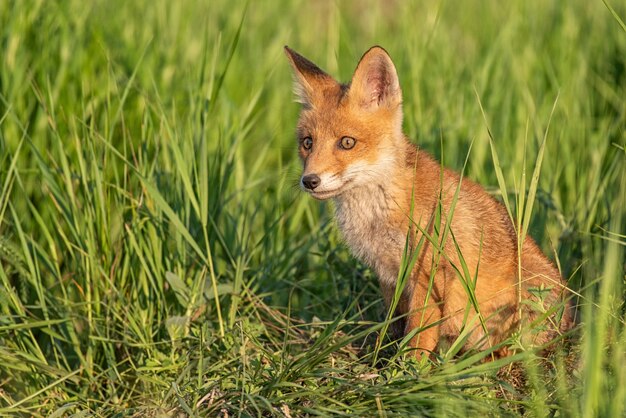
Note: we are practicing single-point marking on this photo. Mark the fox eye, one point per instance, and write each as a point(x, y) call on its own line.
point(347, 142)
point(307, 143)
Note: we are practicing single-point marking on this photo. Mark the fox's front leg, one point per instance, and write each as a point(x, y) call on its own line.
point(425, 314)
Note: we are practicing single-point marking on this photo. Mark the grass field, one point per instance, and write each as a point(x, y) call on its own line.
point(158, 259)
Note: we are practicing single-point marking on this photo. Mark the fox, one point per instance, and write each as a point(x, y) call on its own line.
point(391, 196)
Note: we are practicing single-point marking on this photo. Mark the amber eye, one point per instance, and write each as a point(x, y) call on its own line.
point(347, 142)
point(307, 143)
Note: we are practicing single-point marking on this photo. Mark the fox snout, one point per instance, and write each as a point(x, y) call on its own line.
point(311, 181)
point(322, 185)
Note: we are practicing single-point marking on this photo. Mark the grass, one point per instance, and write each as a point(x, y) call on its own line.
point(156, 257)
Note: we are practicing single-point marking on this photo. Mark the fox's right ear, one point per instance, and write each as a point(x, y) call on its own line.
point(309, 80)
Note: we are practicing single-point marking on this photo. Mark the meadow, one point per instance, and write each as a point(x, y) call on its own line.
point(157, 257)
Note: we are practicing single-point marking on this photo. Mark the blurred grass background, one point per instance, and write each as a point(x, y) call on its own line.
point(157, 258)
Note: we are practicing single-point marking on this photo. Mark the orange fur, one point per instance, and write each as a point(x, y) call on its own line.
point(377, 176)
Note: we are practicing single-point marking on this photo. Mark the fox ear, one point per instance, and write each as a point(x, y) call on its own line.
point(375, 81)
point(309, 78)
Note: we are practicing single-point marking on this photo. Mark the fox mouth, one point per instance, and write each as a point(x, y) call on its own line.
point(324, 194)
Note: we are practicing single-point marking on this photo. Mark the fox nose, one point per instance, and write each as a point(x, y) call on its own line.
point(311, 181)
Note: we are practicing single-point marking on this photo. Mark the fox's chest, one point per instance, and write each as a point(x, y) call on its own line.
point(367, 219)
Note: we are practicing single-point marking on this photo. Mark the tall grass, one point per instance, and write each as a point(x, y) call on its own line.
point(157, 258)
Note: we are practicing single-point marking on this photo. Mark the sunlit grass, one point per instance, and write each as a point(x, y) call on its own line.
point(156, 256)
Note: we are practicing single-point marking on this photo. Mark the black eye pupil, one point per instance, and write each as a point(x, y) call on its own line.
point(307, 143)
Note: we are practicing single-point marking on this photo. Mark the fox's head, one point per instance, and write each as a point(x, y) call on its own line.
point(348, 134)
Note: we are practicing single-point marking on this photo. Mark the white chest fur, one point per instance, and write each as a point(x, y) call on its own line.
point(364, 218)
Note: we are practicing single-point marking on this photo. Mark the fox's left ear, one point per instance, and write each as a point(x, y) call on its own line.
point(375, 81)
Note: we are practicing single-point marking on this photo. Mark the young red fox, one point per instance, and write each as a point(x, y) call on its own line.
point(388, 195)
